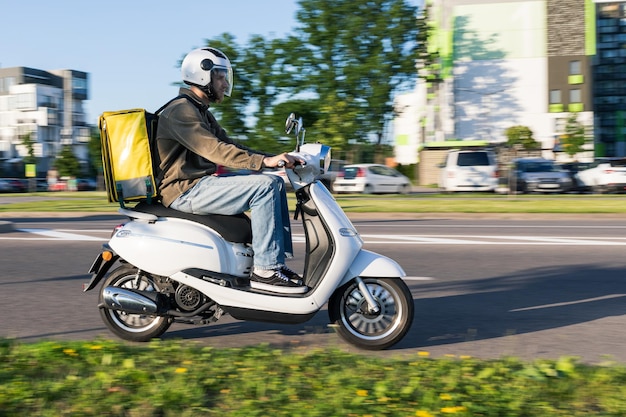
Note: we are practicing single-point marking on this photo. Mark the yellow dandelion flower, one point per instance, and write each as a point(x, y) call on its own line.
point(445, 397)
point(453, 410)
point(465, 357)
point(95, 347)
point(362, 393)
point(423, 353)
point(180, 370)
point(187, 362)
point(423, 413)
point(70, 352)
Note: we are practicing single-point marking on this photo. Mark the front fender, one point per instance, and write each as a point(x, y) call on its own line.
point(370, 264)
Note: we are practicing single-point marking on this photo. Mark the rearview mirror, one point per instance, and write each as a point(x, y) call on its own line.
point(291, 123)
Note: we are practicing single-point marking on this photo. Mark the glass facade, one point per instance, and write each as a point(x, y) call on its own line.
point(610, 79)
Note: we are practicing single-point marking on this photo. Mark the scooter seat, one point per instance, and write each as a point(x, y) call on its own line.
point(235, 228)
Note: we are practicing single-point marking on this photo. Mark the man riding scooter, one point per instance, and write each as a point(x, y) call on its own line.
point(191, 145)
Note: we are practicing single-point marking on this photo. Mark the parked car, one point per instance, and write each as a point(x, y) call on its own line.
point(18, 185)
point(604, 175)
point(369, 179)
point(42, 184)
point(5, 186)
point(469, 170)
point(59, 185)
point(572, 169)
point(540, 175)
point(85, 184)
point(329, 177)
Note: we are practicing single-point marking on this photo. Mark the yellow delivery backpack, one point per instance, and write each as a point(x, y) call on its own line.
point(129, 155)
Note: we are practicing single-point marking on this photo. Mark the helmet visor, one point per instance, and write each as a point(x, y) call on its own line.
point(222, 78)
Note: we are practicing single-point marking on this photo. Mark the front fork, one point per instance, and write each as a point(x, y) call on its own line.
point(372, 305)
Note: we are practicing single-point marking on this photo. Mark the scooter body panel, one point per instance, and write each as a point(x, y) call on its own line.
point(347, 248)
point(169, 245)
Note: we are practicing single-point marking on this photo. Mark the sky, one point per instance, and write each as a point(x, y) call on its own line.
point(129, 48)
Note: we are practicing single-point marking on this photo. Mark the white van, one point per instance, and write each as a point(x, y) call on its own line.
point(469, 170)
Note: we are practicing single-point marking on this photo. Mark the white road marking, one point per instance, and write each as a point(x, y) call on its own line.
point(58, 235)
point(566, 303)
point(83, 235)
point(493, 240)
point(418, 278)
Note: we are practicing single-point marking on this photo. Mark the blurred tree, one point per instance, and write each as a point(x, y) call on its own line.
point(29, 144)
point(354, 56)
point(575, 136)
point(521, 135)
point(347, 59)
point(94, 150)
point(67, 163)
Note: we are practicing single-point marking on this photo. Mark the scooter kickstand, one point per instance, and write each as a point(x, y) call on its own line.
point(373, 307)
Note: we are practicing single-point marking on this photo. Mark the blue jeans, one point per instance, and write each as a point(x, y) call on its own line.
point(263, 195)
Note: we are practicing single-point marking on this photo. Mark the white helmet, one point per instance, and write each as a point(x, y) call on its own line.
point(200, 63)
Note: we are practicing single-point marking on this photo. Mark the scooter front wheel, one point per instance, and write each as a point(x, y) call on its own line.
point(132, 327)
point(349, 311)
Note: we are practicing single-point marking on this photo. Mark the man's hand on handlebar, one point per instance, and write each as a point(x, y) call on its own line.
point(282, 160)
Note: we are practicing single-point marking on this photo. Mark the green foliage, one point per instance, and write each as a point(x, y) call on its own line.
point(521, 135)
point(29, 143)
point(575, 136)
point(347, 58)
point(169, 378)
point(67, 163)
point(95, 152)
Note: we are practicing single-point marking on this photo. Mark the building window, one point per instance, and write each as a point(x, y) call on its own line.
point(555, 96)
point(575, 96)
point(6, 83)
point(26, 101)
point(574, 68)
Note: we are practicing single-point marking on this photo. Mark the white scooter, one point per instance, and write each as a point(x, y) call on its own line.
point(179, 267)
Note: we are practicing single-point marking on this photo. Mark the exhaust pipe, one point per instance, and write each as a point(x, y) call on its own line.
point(128, 301)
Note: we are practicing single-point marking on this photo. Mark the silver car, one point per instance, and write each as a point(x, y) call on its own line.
point(540, 175)
point(370, 179)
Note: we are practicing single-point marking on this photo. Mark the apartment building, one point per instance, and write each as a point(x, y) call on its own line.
point(48, 106)
point(503, 63)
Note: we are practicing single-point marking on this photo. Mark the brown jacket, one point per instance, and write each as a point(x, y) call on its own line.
point(198, 145)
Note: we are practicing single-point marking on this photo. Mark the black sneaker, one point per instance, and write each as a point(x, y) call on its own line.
point(293, 277)
point(277, 282)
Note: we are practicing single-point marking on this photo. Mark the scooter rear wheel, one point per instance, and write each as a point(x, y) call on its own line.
point(348, 310)
point(132, 327)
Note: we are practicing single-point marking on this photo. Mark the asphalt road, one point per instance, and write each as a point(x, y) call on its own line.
point(530, 288)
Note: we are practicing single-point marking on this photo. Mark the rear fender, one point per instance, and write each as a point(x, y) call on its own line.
point(101, 266)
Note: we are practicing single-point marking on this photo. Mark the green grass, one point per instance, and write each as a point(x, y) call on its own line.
point(181, 378)
point(95, 201)
point(184, 379)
